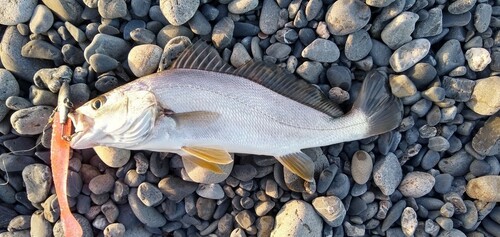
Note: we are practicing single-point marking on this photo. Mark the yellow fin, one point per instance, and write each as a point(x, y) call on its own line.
point(204, 164)
point(299, 164)
point(212, 155)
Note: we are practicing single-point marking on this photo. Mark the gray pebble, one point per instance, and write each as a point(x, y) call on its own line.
point(223, 33)
point(416, 184)
point(461, 6)
point(101, 63)
point(239, 56)
point(38, 179)
point(16, 12)
point(286, 36)
point(434, 116)
point(205, 208)
point(340, 186)
point(31, 121)
point(278, 50)
point(199, 24)
point(322, 50)
point(131, 26)
point(482, 17)
point(243, 29)
point(242, 6)
point(263, 207)
point(39, 225)
point(477, 59)
point(133, 179)
point(245, 219)
point(449, 56)
point(111, 9)
point(447, 210)
point(310, 71)
point(7, 193)
point(142, 36)
point(409, 54)
point(110, 211)
point(14, 163)
point(41, 20)
point(176, 189)
point(101, 184)
point(398, 31)
point(306, 36)
point(431, 26)
point(331, 209)
point(141, 163)
point(210, 191)
point(431, 227)
point(338, 95)
point(149, 194)
point(114, 229)
point(209, 11)
point(9, 86)
point(339, 76)
point(469, 219)
point(456, 20)
point(178, 13)
point(387, 174)
point(380, 53)
point(438, 144)
point(114, 47)
point(443, 183)
point(244, 172)
point(326, 178)
point(76, 32)
point(422, 74)
point(402, 86)
point(72, 55)
point(459, 89)
point(409, 221)
point(361, 167)
point(141, 66)
point(421, 107)
point(358, 45)
point(347, 16)
point(147, 215)
point(313, 8)
point(457, 164)
point(393, 215)
point(269, 16)
point(140, 7)
point(479, 168)
point(445, 223)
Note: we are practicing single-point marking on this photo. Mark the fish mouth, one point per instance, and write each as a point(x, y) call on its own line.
point(81, 137)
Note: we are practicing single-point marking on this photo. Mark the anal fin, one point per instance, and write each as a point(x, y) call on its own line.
point(211, 155)
point(299, 164)
point(204, 164)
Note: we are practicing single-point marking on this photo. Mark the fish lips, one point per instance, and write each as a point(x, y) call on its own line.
point(83, 136)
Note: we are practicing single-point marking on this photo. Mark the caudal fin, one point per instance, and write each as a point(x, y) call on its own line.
point(383, 110)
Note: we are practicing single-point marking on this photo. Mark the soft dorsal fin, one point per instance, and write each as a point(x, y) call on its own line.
point(286, 84)
point(202, 57)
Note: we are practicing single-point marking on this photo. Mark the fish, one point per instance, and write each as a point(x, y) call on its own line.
point(204, 109)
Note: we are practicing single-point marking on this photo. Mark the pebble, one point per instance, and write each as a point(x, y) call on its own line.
point(278, 50)
point(269, 17)
point(222, 33)
point(380, 53)
point(347, 16)
point(340, 186)
point(310, 71)
point(331, 209)
point(210, 191)
point(245, 219)
point(7, 193)
point(114, 230)
point(112, 46)
point(321, 50)
point(393, 215)
point(457, 164)
point(101, 63)
point(263, 208)
point(111, 9)
point(421, 75)
point(31, 121)
point(144, 59)
point(242, 6)
point(10, 87)
point(438, 144)
point(402, 86)
point(398, 31)
point(199, 24)
point(113, 157)
point(169, 32)
point(477, 58)
point(178, 12)
point(149, 216)
point(449, 56)
point(443, 183)
point(470, 217)
point(459, 89)
point(41, 20)
point(68, 10)
point(409, 54)
point(416, 184)
point(484, 188)
point(76, 32)
point(432, 26)
point(361, 167)
point(37, 179)
point(358, 45)
point(297, 218)
point(142, 36)
point(72, 55)
point(409, 221)
point(387, 174)
point(485, 142)
point(176, 189)
point(482, 17)
point(244, 172)
point(101, 184)
point(485, 98)
point(15, 12)
point(149, 194)
point(239, 56)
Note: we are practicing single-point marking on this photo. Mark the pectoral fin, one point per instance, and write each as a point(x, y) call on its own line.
point(212, 155)
point(204, 164)
point(299, 164)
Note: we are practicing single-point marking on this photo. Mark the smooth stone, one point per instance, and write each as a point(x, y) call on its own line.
point(15, 163)
point(113, 157)
point(263, 208)
point(421, 74)
point(79, 93)
point(321, 50)
point(149, 216)
point(347, 16)
point(457, 164)
point(38, 179)
point(176, 189)
point(244, 172)
point(310, 71)
point(339, 76)
point(142, 36)
point(416, 184)
point(112, 46)
point(340, 186)
point(438, 144)
point(279, 50)
point(461, 6)
point(115, 230)
point(17, 103)
point(140, 8)
point(380, 53)
point(449, 56)
point(484, 188)
point(387, 174)
point(239, 56)
point(393, 214)
point(409, 54)
point(409, 221)
point(243, 29)
point(402, 86)
point(431, 26)
point(297, 218)
point(102, 63)
point(15, 12)
point(222, 33)
point(12, 59)
point(31, 121)
point(66, 10)
point(487, 140)
point(242, 6)
point(72, 55)
point(358, 45)
point(398, 31)
point(205, 208)
point(169, 32)
point(485, 98)
point(269, 17)
point(144, 59)
point(7, 193)
point(459, 89)
point(202, 175)
point(149, 194)
point(443, 183)
point(8, 85)
point(75, 32)
point(469, 219)
point(361, 167)
point(111, 9)
point(39, 226)
point(210, 191)
point(331, 209)
point(199, 24)
point(41, 20)
point(101, 184)
point(482, 17)
point(179, 12)
point(477, 58)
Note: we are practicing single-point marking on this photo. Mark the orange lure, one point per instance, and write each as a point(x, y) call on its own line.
point(59, 156)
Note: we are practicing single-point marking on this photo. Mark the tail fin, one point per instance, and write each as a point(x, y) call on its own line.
point(383, 110)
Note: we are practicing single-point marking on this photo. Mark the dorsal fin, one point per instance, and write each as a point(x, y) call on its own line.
point(286, 84)
point(202, 57)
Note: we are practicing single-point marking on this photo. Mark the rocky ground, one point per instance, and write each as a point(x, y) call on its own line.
point(435, 175)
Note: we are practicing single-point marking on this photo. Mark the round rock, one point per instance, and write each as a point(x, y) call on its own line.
point(409, 54)
point(8, 85)
point(331, 209)
point(449, 56)
point(179, 12)
point(484, 188)
point(42, 19)
point(361, 167)
point(102, 63)
point(113, 157)
point(347, 16)
point(322, 50)
point(297, 218)
point(210, 191)
point(398, 31)
point(242, 6)
point(358, 45)
point(114, 47)
point(37, 179)
point(111, 9)
point(15, 12)
point(477, 58)
point(31, 121)
point(402, 86)
point(149, 194)
point(416, 184)
point(387, 174)
point(101, 184)
point(409, 221)
point(485, 98)
point(147, 215)
point(144, 59)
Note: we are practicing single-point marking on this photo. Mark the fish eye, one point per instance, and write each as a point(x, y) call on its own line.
point(98, 102)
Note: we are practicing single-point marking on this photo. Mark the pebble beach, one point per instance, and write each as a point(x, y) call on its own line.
point(437, 174)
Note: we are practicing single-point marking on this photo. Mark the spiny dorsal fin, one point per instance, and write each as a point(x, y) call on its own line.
point(202, 57)
point(286, 84)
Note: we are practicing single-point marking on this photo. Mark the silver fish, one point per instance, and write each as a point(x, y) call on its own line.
point(203, 109)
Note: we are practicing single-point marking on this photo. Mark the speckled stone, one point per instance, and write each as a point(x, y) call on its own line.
point(416, 184)
point(484, 188)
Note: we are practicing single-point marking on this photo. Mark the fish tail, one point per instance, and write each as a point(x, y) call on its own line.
point(382, 109)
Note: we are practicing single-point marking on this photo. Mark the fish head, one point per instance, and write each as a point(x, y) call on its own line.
point(119, 118)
